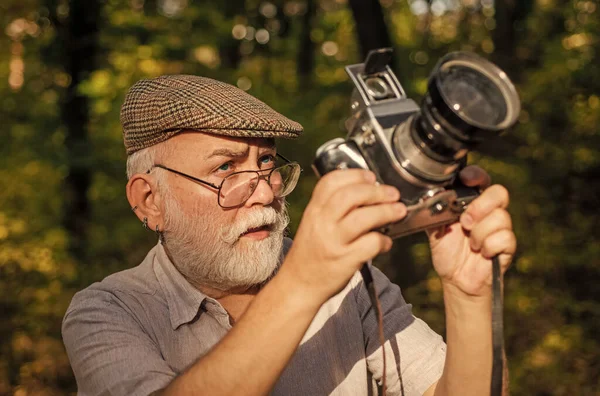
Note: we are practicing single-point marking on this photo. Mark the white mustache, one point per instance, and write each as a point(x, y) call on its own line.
point(266, 216)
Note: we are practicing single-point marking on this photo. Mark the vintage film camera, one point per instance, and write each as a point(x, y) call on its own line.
point(421, 150)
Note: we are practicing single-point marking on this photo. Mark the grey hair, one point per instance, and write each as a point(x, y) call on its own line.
point(143, 160)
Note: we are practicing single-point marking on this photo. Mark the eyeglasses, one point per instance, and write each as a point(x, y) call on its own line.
point(235, 189)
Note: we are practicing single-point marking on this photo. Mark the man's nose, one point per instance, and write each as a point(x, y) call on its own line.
point(262, 195)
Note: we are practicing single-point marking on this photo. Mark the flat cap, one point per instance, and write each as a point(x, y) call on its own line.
point(157, 109)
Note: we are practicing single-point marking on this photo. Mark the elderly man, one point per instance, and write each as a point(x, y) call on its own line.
point(225, 304)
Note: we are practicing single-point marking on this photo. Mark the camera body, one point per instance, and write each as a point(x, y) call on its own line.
point(420, 150)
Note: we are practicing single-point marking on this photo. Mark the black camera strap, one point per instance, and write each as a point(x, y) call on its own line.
point(497, 329)
point(497, 325)
point(375, 303)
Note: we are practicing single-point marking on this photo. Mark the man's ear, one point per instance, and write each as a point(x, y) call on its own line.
point(145, 201)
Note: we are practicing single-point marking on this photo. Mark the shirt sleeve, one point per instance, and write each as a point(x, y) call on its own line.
point(109, 352)
point(415, 354)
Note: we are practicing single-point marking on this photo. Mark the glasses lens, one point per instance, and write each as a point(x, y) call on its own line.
point(284, 179)
point(237, 188)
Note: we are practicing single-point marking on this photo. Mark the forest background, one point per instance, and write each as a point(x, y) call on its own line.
point(65, 66)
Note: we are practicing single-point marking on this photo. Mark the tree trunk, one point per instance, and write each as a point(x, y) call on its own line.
point(306, 52)
point(229, 48)
point(370, 25)
point(80, 48)
point(504, 34)
point(508, 14)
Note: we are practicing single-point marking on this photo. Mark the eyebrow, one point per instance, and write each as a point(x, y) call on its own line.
point(227, 152)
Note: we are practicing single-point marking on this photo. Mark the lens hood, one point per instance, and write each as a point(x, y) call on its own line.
point(471, 97)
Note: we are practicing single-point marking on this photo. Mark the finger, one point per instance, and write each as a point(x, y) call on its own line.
point(494, 197)
point(370, 245)
point(362, 220)
point(498, 219)
point(503, 243)
point(333, 181)
point(437, 232)
point(474, 176)
point(353, 196)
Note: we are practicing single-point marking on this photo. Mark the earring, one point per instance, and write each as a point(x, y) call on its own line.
point(160, 234)
point(134, 208)
point(145, 223)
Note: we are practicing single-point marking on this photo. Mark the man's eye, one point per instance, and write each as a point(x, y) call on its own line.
point(267, 160)
point(225, 167)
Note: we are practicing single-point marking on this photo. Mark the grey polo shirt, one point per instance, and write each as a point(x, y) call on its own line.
point(135, 331)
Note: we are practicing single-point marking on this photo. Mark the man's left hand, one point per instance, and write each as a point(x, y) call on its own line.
point(462, 252)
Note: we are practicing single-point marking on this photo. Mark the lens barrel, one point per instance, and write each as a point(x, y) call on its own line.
point(469, 99)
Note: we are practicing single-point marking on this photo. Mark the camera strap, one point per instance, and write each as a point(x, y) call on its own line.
point(375, 303)
point(497, 325)
point(497, 329)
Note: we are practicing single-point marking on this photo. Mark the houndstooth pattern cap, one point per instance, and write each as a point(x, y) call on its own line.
point(157, 109)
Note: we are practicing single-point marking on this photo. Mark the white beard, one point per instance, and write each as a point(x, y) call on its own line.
point(217, 256)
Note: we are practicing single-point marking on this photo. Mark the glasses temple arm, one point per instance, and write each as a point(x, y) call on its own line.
point(283, 158)
point(187, 176)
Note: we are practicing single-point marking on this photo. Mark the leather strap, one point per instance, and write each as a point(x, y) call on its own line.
point(370, 285)
point(497, 329)
point(497, 325)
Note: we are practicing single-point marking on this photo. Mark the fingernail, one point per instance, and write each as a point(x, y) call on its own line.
point(370, 177)
point(466, 220)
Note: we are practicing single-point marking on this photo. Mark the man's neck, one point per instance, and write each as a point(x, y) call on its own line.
point(235, 302)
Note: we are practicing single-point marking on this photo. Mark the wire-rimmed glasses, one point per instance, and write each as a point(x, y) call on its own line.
point(235, 189)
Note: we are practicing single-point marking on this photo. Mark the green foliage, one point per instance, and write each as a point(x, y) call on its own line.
point(550, 162)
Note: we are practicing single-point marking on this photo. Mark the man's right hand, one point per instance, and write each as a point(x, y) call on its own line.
point(334, 239)
point(335, 236)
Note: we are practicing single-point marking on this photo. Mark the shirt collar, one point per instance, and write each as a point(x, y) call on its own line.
point(183, 299)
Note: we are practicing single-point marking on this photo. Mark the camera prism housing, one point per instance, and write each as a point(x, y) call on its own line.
point(421, 149)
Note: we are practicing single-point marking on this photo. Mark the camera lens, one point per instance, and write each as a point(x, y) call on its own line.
point(468, 100)
point(473, 96)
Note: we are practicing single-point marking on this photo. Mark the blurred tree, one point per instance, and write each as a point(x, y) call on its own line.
point(306, 53)
point(509, 16)
point(370, 25)
point(78, 39)
point(229, 50)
